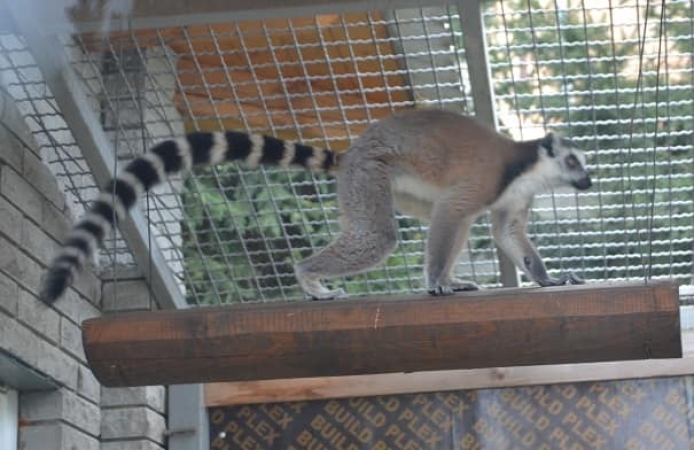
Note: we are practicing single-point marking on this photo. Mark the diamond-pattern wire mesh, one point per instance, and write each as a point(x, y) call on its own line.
point(232, 234)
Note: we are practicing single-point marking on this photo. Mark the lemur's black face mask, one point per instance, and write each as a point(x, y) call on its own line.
point(577, 173)
point(583, 183)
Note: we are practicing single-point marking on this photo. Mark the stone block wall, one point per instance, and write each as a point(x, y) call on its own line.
point(78, 413)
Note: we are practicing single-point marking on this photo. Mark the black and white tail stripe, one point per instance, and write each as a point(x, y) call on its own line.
point(164, 159)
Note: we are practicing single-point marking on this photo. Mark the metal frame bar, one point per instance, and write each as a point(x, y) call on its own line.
point(99, 155)
point(153, 14)
point(6, 24)
point(189, 427)
point(9, 417)
point(483, 96)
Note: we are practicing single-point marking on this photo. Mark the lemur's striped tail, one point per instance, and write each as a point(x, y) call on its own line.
point(166, 158)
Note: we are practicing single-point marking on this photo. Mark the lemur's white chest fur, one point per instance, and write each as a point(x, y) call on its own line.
point(519, 194)
point(413, 186)
point(414, 196)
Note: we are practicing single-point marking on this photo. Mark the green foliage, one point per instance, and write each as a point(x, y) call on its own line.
point(245, 229)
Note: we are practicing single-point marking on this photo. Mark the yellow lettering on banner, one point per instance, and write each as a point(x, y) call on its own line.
point(468, 442)
point(430, 410)
point(612, 401)
point(489, 436)
point(455, 402)
point(317, 422)
point(543, 398)
point(368, 410)
point(567, 391)
point(239, 437)
point(656, 437)
point(675, 398)
point(442, 419)
point(380, 445)
point(399, 439)
point(334, 436)
point(418, 427)
point(420, 399)
point(406, 415)
point(277, 414)
point(393, 430)
point(633, 391)
point(260, 426)
point(218, 416)
point(266, 432)
point(601, 418)
point(304, 438)
point(562, 441)
point(585, 432)
point(511, 425)
point(349, 421)
point(526, 408)
point(671, 423)
point(390, 404)
point(634, 444)
point(297, 407)
point(219, 444)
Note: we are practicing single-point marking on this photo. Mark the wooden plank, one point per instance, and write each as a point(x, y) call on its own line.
point(502, 327)
point(321, 388)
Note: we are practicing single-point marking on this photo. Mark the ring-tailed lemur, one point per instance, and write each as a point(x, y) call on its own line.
point(433, 164)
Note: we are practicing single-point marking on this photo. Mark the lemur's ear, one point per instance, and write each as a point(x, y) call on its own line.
point(548, 143)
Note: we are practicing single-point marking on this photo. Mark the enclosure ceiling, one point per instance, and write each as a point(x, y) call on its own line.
point(306, 78)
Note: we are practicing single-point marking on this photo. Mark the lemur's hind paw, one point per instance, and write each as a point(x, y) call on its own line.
point(462, 285)
point(315, 290)
point(329, 295)
point(453, 286)
point(566, 279)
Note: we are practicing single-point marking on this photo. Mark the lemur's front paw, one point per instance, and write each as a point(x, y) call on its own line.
point(441, 290)
point(565, 279)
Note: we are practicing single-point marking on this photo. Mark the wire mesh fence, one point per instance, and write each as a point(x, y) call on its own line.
point(615, 76)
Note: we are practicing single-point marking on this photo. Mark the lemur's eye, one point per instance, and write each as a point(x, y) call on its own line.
point(572, 162)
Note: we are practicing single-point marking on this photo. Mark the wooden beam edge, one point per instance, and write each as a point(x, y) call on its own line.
point(306, 389)
point(664, 294)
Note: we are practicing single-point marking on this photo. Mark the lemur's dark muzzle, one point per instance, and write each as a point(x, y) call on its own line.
point(583, 183)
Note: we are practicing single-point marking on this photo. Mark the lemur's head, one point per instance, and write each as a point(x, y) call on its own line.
point(565, 162)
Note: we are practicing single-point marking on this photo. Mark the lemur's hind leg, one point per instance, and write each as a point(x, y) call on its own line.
point(457, 247)
point(448, 234)
point(369, 229)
